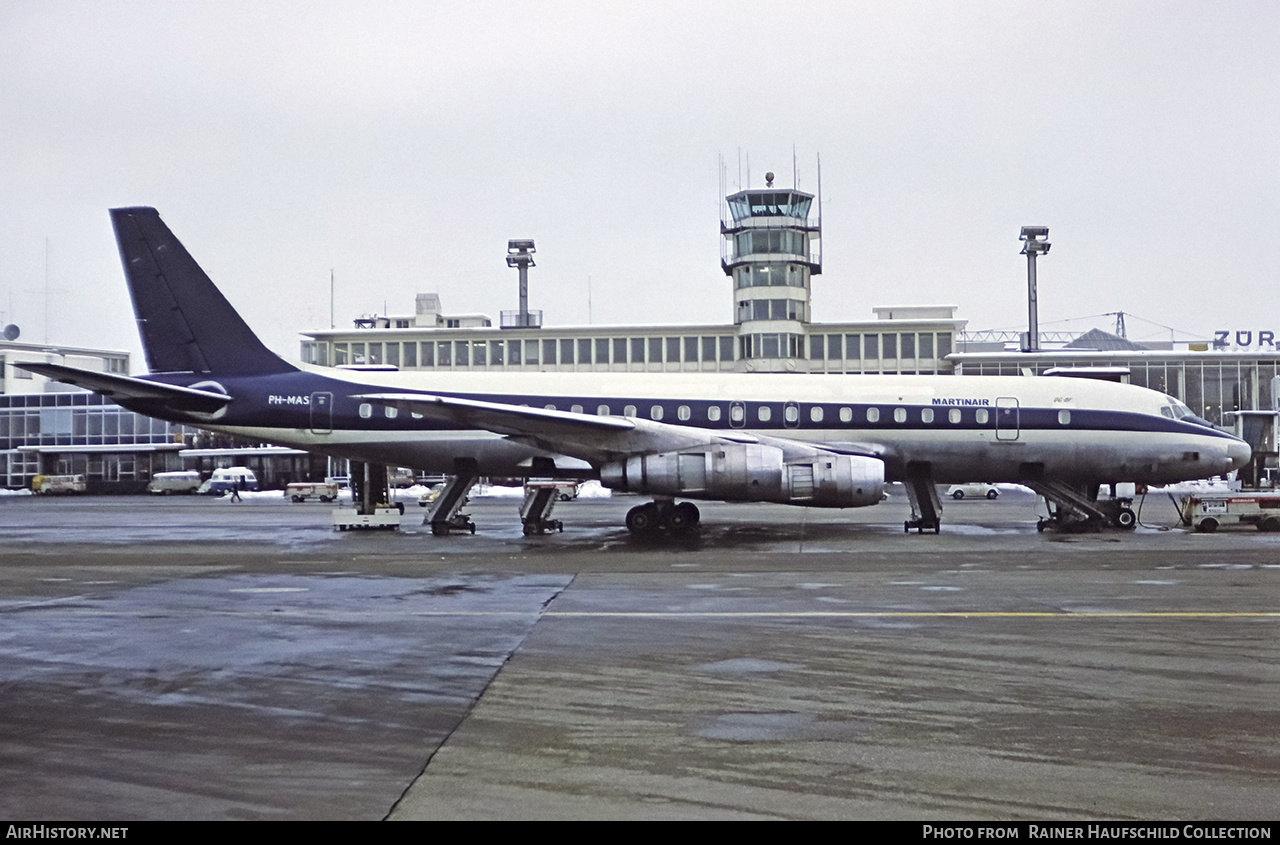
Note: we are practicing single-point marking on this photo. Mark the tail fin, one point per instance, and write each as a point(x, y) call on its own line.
point(186, 323)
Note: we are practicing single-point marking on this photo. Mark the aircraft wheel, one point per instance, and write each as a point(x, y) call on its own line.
point(991, 494)
point(642, 519)
point(959, 494)
point(1127, 519)
point(296, 499)
point(681, 518)
point(1207, 526)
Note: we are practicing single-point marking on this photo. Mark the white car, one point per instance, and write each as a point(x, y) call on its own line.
point(973, 491)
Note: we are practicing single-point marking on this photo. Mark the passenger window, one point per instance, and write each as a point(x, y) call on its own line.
point(602, 410)
point(1064, 417)
point(846, 415)
point(953, 415)
point(655, 412)
point(683, 412)
point(926, 415)
point(391, 413)
point(980, 416)
point(366, 410)
point(737, 413)
point(713, 413)
point(549, 407)
point(791, 413)
point(764, 413)
point(629, 411)
point(873, 415)
point(900, 415)
point(576, 409)
point(815, 413)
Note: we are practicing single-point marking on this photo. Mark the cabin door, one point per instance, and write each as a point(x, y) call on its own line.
point(1007, 418)
point(322, 413)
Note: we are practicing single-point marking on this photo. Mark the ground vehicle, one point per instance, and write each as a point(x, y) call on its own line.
point(300, 491)
point(1207, 512)
point(225, 479)
point(167, 483)
point(58, 484)
point(973, 491)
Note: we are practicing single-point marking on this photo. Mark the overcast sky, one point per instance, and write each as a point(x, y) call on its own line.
point(401, 144)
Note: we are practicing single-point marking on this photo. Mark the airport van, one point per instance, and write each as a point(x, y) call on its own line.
point(58, 484)
point(171, 483)
point(225, 479)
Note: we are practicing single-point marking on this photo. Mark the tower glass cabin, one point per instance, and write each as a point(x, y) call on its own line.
point(770, 249)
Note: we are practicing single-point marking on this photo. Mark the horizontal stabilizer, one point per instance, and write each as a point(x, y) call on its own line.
point(126, 387)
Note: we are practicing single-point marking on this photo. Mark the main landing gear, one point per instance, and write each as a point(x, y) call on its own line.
point(663, 516)
point(1074, 508)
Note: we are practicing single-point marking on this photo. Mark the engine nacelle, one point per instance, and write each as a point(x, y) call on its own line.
point(751, 472)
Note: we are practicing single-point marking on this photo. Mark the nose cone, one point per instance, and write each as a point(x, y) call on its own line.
point(1238, 453)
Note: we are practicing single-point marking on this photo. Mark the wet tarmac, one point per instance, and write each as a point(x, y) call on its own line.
point(199, 659)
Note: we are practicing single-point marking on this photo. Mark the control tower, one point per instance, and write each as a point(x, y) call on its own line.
point(770, 250)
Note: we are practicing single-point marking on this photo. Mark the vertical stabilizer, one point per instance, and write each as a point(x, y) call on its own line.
point(186, 323)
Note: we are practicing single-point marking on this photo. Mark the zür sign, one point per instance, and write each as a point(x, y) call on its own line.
point(1244, 338)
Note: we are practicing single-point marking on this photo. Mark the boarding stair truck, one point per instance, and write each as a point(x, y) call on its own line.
point(371, 501)
point(540, 496)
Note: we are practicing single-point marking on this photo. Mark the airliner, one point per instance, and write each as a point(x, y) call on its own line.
point(827, 441)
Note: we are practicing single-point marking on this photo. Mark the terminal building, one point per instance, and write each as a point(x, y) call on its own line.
point(47, 428)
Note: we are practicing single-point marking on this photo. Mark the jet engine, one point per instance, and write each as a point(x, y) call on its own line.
point(751, 473)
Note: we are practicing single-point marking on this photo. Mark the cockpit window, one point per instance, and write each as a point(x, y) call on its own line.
point(1175, 409)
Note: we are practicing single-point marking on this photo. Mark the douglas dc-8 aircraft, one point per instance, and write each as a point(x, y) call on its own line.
point(821, 441)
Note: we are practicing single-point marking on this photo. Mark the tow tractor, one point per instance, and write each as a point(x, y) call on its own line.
point(371, 498)
point(1208, 512)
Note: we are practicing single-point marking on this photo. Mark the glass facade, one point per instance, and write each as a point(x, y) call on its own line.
point(32, 426)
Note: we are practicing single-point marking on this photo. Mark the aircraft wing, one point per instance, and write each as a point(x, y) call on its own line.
point(126, 388)
point(592, 438)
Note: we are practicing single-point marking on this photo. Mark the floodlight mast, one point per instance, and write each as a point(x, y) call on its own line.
point(1035, 244)
point(520, 255)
